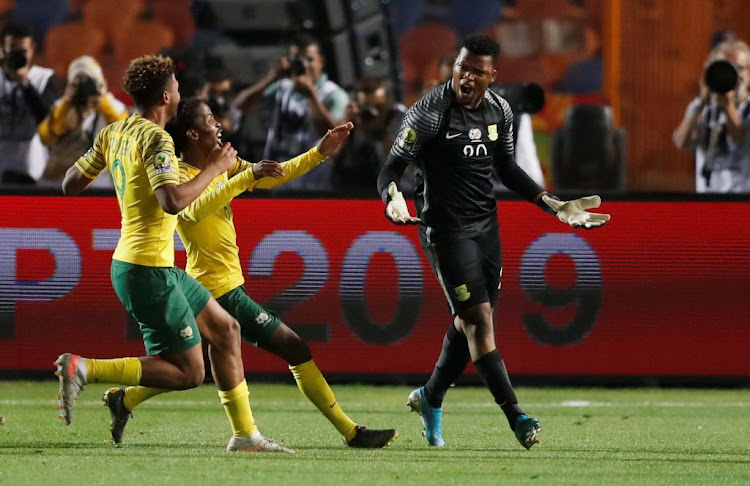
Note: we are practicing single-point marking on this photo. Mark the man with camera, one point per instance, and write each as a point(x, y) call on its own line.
point(75, 119)
point(377, 119)
point(716, 122)
point(27, 92)
point(303, 104)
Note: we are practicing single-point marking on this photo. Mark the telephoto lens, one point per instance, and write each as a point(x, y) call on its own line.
point(721, 77)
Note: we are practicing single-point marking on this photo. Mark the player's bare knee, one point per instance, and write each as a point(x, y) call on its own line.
point(194, 376)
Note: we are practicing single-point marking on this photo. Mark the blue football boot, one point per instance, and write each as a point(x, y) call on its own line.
point(432, 417)
point(526, 430)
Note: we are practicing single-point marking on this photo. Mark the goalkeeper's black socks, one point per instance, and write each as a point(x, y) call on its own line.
point(450, 365)
point(493, 373)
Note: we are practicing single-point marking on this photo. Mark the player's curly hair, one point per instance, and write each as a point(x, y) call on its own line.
point(178, 126)
point(482, 45)
point(147, 78)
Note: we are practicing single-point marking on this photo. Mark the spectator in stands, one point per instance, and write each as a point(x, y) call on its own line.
point(715, 126)
point(74, 120)
point(376, 120)
point(303, 105)
point(27, 92)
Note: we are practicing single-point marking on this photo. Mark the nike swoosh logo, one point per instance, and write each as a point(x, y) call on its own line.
point(332, 405)
point(449, 136)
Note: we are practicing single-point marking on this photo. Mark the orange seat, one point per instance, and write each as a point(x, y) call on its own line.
point(6, 5)
point(114, 70)
point(177, 15)
point(140, 38)
point(422, 47)
point(69, 41)
point(112, 16)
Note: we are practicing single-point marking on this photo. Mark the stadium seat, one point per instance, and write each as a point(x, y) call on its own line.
point(421, 48)
point(177, 15)
point(112, 16)
point(68, 41)
point(6, 5)
point(588, 152)
point(142, 37)
point(40, 18)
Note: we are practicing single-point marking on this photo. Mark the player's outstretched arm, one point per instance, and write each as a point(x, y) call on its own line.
point(173, 198)
point(304, 163)
point(575, 212)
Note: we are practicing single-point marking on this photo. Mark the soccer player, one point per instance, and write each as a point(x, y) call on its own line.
point(207, 229)
point(455, 135)
point(169, 306)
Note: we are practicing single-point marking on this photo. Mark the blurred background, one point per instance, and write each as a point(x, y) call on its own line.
point(610, 96)
point(634, 66)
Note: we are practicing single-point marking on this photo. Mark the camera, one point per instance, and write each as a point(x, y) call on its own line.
point(522, 97)
point(721, 77)
point(16, 58)
point(297, 66)
point(85, 89)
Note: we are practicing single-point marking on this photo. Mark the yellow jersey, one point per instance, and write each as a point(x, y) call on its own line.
point(206, 226)
point(139, 155)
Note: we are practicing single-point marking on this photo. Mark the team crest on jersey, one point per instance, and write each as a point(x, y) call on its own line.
point(492, 132)
point(408, 138)
point(186, 333)
point(475, 134)
point(163, 164)
point(462, 293)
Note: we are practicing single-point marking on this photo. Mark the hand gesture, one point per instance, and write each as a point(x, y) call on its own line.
point(334, 138)
point(725, 100)
point(574, 212)
point(396, 210)
point(279, 67)
point(267, 168)
point(222, 158)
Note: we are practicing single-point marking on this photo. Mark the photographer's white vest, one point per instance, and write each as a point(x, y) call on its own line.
point(21, 150)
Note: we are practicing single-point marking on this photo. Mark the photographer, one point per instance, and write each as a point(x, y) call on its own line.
point(376, 121)
point(84, 109)
point(27, 92)
point(303, 104)
point(715, 125)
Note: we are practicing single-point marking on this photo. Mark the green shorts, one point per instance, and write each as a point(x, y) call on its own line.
point(164, 301)
point(256, 323)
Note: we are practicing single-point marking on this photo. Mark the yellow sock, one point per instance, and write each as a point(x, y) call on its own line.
point(135, 395)
point(312, 384)
point(236, 403)
point(126, 371)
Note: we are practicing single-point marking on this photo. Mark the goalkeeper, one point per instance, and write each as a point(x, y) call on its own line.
point(456, 136)
point(208, 232)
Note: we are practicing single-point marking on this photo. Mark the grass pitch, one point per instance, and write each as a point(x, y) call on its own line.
point(589, 436)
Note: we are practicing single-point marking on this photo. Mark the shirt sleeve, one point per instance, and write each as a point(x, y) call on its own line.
point(293, 168)
point(160, 160)
point(92, 163)
point(240, 165)
point(420, 124)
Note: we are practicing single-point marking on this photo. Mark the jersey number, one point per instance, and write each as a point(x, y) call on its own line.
point(479, 150)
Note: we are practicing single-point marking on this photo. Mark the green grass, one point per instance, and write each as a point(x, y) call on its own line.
point(589, 436)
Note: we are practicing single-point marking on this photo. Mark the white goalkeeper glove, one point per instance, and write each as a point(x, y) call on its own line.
point(396, 210)
point(574, 212)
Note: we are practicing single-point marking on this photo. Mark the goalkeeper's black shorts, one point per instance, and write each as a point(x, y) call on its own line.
point(467, 265)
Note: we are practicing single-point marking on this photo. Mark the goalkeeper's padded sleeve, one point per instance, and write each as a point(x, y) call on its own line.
point(392, 171)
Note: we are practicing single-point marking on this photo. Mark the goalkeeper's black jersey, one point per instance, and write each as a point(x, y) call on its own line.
point(454, 151)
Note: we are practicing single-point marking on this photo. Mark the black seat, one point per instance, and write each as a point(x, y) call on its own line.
point(588, 151)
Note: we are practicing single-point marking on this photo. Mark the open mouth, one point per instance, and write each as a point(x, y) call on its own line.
point(218, 139)
point(466, 89)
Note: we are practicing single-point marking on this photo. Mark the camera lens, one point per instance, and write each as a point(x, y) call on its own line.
point(297, 66)
point(16, 59)
point(721, 77)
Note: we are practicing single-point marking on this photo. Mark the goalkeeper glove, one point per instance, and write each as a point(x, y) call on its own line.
point(574, 212)
point(396, 210)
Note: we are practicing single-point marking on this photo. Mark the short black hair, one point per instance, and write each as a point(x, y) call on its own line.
point(178, 126)
point(303, 40)
point(15, 30)
point(482, 45)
